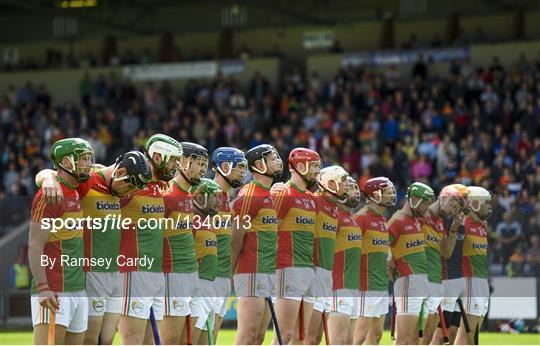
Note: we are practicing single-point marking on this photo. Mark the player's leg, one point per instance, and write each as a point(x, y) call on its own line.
point(307, 311)
point(375, 330)
point(223, 290)
point(132, 330)
point(315, 327)
point(108, 328)
point(250, 314)
point(287, 314)
point(476, 305)
point(267, 316)
point(78, 315)
point(363, 326)
point(429, 329)
point(350, 332)
point(410, 294)
point(41, 333)
point(93, 331)
point(338, 327)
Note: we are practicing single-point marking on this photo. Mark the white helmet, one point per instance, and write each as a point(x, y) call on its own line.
point(332, 173)
point(477, 193)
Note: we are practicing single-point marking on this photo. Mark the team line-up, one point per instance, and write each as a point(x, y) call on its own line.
point(314, 255)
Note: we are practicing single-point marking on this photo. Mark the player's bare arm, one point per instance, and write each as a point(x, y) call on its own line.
point(36, 243)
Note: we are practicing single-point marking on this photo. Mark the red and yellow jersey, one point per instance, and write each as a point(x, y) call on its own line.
point(143, 237)
point(374, 250)
point(63, 243)
point(475, 245)
point(253, 210)
point(434, 235)
point(222, 222)
point(348, 253)
point(297, 211)
point(206, 249)
point(326, 226)
point(178, 242)
point(407, 244)
point(100, 242)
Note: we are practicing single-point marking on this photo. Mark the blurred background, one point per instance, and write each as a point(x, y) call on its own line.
point(416, 90)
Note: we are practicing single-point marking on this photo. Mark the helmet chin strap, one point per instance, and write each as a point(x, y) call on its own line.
point(78, 177)
point(235, 183)
point(309, 184)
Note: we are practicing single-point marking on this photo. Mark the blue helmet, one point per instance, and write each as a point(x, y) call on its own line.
point(234, 157)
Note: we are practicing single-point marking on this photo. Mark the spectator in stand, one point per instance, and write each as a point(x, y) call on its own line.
point(508, 234)
point(533, 257)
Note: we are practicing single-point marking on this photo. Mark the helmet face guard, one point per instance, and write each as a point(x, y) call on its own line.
point(424, 195)
point(81, 167)
point(277, 171)
point(206, 197)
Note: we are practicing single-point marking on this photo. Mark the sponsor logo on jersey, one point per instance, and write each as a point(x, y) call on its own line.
point(380, 242)
point(354, 237)
point(433, 238)
point(304, 220)
point(151, 209)
point(104, 205)
point(269, 220)
point(414, 243)
point(329, 227)
point(482, 246)
point(210, 243)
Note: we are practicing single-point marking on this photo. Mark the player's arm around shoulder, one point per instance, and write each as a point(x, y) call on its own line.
point(52, 191)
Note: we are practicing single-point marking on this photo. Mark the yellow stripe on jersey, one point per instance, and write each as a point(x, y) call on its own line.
point(408, 244)
point(475, 245)
point(65, 234)
point(264, 221)
point(433, 238)
point(348, 238)
point(246, 205)
point(375, 241)
point(326, 226)
point(205, 243)
point(182, 224)
point(299, 220)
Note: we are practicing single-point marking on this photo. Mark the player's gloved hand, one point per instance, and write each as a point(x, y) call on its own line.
point(277, 188)
point(49, 299)
point(52, 192)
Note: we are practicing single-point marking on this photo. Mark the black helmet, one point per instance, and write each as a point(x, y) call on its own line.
point(138, 170)
point(194, 150)
point(261, 152)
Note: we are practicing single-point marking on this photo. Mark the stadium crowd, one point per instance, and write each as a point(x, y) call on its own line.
point(479, 125)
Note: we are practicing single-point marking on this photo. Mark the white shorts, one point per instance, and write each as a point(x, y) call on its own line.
point(435, 297)
point(104, 291)
point(410, 293)
point(142, 291)
point(322, 287)
point(373, 303)
point(453, 289)
point(476, 300)
point(295, 283)
point(346, 301)
point(179, 288)
point(72, 314)
point(258, 285)
point(323, 304)
point(202, 305)
point(222, 286)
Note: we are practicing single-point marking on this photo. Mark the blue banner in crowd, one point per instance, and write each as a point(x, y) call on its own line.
point(384, 58)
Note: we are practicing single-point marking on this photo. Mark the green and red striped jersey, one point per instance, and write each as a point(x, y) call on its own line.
point(144, 208)
point(254, 211)
point(222, 222)
point(434, 235)
point(297, 211)
point(64, 242)
point(348, 253)
point(104, 242)
point(407, 244)
point(326, 225)
point(178, 241)
point(475, 245)
point(205, 248)
point(374, 250)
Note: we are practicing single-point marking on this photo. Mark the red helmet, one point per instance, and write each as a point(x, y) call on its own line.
point(303, 155)
point(373, 188)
